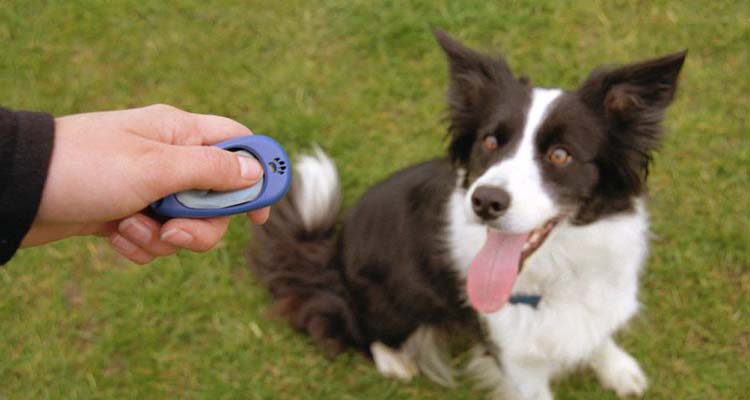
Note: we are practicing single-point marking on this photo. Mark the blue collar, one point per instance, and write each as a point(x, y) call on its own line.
point(528, 299)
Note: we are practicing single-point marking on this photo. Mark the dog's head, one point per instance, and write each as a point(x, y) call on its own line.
point(529, 155)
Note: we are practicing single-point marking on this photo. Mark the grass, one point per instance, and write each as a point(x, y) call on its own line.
point(366, 81)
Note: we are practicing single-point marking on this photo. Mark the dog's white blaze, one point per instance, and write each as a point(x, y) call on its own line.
point(520, 176)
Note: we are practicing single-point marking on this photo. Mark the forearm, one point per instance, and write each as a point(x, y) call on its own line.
point(26, 142)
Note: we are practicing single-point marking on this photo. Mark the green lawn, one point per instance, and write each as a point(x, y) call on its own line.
point(367, 82)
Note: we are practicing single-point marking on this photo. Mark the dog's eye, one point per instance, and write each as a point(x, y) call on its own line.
point(490, 142)
point(558, 156)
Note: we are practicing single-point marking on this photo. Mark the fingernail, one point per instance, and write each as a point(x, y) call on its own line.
point(177, 237)
point(136, 230)
point(249, 168)
point(122, 244)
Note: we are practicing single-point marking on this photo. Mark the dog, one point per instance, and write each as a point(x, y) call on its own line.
point(534, 224)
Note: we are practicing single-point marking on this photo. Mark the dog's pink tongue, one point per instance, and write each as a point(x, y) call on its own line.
point(493, 271)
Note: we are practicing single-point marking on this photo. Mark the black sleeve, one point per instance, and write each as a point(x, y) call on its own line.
point(26, 141)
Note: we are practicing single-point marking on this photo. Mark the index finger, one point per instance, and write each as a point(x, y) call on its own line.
point(171, 125)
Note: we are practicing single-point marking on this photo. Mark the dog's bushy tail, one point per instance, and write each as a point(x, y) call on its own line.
point(294, 256)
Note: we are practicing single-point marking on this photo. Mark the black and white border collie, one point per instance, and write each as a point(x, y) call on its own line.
point(535, 223)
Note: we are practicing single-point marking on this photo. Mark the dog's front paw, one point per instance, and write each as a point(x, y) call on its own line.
point(392, 363)
point(623, 375)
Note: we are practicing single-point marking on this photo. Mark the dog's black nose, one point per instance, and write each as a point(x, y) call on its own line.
point(489, 202)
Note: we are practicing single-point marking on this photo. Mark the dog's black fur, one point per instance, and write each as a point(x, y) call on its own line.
point(387, 274)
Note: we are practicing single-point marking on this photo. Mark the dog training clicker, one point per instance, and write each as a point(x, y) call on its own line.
point(277, 176)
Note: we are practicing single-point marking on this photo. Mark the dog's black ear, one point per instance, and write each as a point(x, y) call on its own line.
point(469, 66)
point(474, 79)
point(636, 93)
point(630, 101)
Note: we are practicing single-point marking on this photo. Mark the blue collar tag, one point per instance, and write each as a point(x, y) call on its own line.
point(528, 299)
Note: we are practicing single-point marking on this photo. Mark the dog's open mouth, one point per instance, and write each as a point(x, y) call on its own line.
point(493, 272)
point(535, 240)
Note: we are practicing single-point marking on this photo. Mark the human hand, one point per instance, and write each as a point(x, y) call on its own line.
point(108, 166)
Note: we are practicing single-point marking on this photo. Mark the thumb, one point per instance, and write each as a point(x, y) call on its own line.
point(204, 167)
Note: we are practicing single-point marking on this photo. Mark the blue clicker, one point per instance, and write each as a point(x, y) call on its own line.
point(277, 176)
